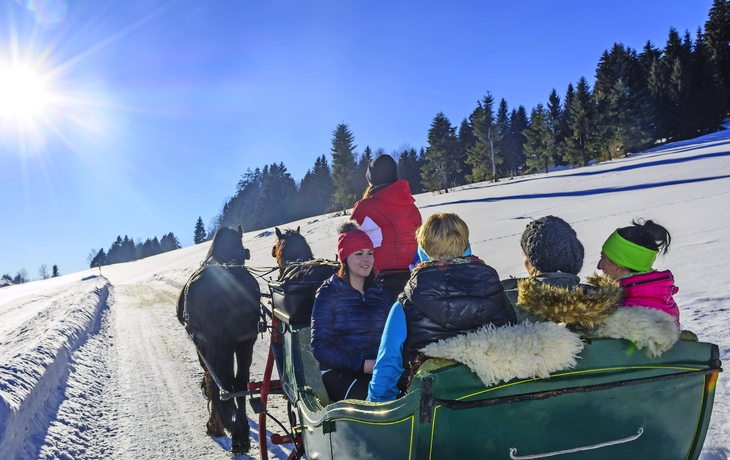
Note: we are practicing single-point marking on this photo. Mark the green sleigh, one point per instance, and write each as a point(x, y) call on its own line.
point(616, 403)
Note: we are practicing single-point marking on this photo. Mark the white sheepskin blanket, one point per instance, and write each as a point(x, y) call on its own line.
point(650, 329)
point(524, 351)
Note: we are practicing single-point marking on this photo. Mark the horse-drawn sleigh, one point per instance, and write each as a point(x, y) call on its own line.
point(614, 403)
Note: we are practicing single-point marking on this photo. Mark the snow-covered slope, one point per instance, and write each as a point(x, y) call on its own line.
point(95, 365)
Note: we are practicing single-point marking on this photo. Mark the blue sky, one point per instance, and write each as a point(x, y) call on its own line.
point(155, 109)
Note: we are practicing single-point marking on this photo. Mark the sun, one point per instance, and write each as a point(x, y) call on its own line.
point(23, 94)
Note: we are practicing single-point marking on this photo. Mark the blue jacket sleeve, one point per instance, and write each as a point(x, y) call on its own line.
point(389, 364)
point(326, 348)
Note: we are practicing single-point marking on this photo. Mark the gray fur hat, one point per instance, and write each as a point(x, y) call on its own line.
point(550, 245)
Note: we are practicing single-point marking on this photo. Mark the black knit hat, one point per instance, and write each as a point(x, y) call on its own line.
point(550, 245)
point(382, 170)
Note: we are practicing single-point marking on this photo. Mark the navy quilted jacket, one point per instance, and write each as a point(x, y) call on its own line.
point(346, 326)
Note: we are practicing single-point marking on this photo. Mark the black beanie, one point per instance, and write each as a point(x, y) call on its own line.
point(382, 170)
point(551, 245)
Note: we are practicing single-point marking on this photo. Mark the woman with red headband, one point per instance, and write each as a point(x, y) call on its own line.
point(348, 318)
point(628, 256)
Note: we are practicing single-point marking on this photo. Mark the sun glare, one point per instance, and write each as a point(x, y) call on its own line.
point(23, 95)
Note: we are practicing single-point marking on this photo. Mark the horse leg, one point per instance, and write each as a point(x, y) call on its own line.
point(240, 438)
point(214, 426)
point(222, 363)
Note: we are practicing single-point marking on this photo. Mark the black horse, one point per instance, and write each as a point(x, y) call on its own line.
point(219, 307)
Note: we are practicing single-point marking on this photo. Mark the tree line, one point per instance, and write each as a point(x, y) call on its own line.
point(22, 276)
point(126, 250)
point(121, 250)
point(638, 99)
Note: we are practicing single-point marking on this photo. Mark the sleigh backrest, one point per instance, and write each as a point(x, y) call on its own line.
point(293, 295)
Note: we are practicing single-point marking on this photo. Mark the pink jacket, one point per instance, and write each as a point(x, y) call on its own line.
point(651, 290)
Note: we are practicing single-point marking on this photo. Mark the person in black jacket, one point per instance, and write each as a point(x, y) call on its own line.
point(348, 317)
point(450, 292)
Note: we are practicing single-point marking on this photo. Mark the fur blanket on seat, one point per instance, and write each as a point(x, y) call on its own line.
point(524, 351)
point(651, 330)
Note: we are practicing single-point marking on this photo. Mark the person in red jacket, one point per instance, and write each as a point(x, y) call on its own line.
point(388, 214)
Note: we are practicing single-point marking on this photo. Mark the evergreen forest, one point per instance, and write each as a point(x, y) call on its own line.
point(638, 99)
point(126, 250)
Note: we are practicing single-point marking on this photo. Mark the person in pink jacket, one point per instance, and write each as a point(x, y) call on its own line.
point(388, 214)
point(628, 256)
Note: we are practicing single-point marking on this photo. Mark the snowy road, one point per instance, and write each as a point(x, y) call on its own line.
point(133, 388)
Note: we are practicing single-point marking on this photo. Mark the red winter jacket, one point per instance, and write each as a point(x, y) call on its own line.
point(390, 217)
point(651, 290)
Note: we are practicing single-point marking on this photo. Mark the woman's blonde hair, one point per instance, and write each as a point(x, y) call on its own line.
point(443, 235)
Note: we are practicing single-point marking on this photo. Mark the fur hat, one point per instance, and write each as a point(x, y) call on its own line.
point(550, 245)
point(382, 170)
point(351, 239)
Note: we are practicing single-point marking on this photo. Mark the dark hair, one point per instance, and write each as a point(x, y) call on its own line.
point(344, 274)
point(648, 234)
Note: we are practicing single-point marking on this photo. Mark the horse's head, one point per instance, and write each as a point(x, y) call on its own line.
point(227, 247)
point(290, 246)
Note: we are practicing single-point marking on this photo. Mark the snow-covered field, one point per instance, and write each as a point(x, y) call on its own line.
point(95, 365)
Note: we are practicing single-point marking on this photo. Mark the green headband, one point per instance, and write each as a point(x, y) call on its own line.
point(629, 255)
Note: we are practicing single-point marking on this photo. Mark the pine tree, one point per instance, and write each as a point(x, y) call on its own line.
point(579, 145)
point(21, 277)
point(359, 180)
point(540, 144)
point(649, 59)
point(707, 94)
point(144, 249)
point(442, 161)
point(466, 136)
point(555, 117)
point(114, 254)
point(343, 166)
point(717, 36)
point(467, 140)
point(514, 141)
point(484, 156)
point(669, 85)
point(276, 202)
point(99, 260)
point(316, 189)
point(156, 248)
point(409, 168)
point(503, 120)
point(128, 250)
point(199, 236)
point(170, 242)
point(622, 108)
point(565, 121)
point(241, 209)
point(55, 272)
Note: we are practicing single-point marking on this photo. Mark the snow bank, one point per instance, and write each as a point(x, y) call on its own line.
point(34, 367)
